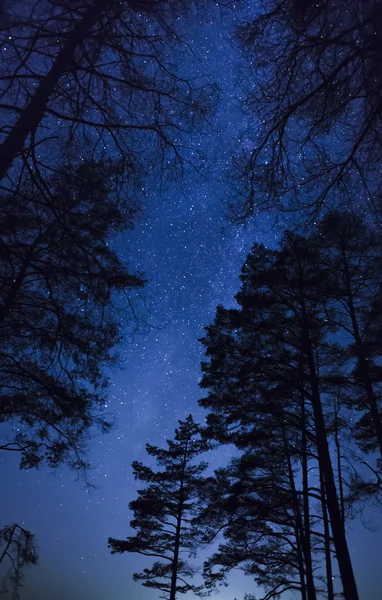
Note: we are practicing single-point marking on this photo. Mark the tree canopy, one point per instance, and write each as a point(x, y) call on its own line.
point(81, 78)
point(314, 104)
point(64, 296)
point(164, 510)
point(287, 374)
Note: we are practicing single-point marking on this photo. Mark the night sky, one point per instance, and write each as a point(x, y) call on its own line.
point(191, 257)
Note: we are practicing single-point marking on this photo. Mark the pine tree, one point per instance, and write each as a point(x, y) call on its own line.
point(163, 512)
point(270, 356)
point(259, 511)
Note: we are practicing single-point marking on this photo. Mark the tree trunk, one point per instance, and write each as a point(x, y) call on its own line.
point(339, 465)
point(32, 115)
point(305, 491)
point(175, 560)
point(339, 538)
point(345, 566)
point(328, 558)
point(174, 571)
point(298, 526)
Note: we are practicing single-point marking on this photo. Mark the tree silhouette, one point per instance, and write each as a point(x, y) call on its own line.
point(351, 250)
point(17, 546)
point(259, 511)
point(164, 510)
point(63, 293)
point(79, 78)
point(272, 357)
point(316, 105)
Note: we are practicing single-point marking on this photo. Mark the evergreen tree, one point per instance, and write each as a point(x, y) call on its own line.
point(270, 357)
point(259, 510)
point(164, 510)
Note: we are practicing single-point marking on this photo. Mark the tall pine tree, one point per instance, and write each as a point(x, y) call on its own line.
point(164, 509)
point(270, 356)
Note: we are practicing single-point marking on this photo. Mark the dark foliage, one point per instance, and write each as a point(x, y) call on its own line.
point(282, 384)
point(18, 548)
point(63, 294)
point(315, 98)
point(254, 503)
point(83, 77)
point(351, 251)
point(164, 510)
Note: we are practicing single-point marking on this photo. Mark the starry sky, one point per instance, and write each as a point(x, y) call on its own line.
point(191, 257)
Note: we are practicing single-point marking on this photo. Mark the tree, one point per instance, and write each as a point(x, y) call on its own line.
point(18, 546)
point(314, 104)
point(351, 250)
point(274, 349)
point(64, 296)
point(81, 77)
point(258, 509)
point(263, 507)
point(164, 510)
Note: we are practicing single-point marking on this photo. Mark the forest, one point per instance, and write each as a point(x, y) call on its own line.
point(190, 299)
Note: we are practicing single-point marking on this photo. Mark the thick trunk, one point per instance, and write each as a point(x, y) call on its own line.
point(345, 566)
point(338, 531)
point(32, 115)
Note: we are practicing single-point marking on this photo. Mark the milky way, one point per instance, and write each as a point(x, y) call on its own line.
point(191, 258)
